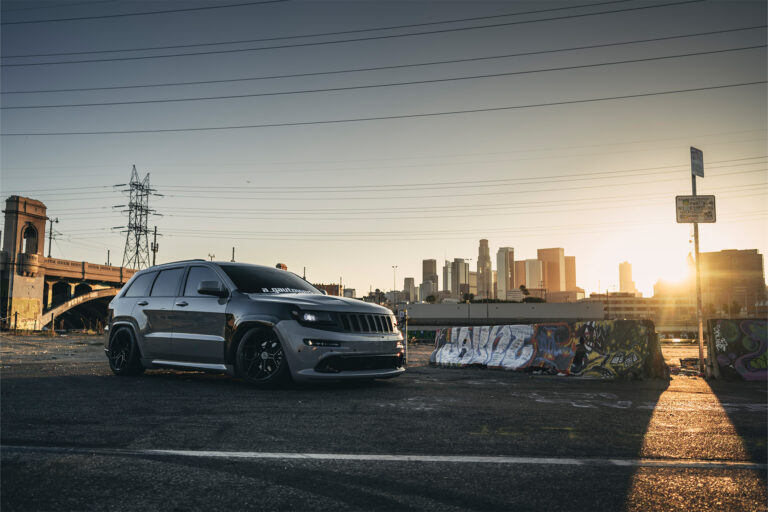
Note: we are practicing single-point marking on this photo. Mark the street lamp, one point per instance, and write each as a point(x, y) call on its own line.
point(394, 282)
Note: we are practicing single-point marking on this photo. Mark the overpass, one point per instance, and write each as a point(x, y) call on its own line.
point(34, 289)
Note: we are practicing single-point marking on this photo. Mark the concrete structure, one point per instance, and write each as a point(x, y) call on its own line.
point(505, 272)
point(446, 315)
point(534, 274)
point(570, 273)
point(484, 272)
point(429, 272)
point(33, 286)
point(626, 284)
point(553, 261)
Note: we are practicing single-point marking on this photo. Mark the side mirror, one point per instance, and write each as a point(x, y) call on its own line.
point(214, 288)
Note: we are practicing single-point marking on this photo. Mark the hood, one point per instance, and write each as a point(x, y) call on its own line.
point(320, 302)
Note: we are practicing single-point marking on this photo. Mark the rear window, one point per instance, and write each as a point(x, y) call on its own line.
point(140, 285)
point(253, 279)
point(167, 283)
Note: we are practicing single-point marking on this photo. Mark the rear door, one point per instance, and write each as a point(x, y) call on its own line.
point(156, 313)
point(200, 320)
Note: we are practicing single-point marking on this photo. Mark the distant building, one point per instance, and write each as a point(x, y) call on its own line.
point(505, 272)
point(534, 274)
point(566, 296)
point(553, 268)
point(460, 277)
point(448, 277)
point(570, 273)
point(494, 286)
point(350, 293)
point(409, 287)
point(473, 284)
point(330, 289)
point(429, 272)
point(426, 289)
point(733, 276)
point(484, 272)
point(519, 275)
point(626, 284)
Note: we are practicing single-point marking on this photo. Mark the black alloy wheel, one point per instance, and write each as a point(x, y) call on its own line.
point(124, 353)
point(260, 359)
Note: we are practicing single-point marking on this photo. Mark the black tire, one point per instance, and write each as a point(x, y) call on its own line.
point(123, 355)
point(260, 359)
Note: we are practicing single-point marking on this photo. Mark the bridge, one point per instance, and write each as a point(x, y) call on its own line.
point(34, 290)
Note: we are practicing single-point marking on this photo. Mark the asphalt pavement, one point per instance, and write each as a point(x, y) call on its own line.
point(75, 437)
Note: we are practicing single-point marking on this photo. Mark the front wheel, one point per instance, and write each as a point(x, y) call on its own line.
point(123, 353)
point(260, 359)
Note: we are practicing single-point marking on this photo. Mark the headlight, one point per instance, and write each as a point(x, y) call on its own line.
point(314, 317)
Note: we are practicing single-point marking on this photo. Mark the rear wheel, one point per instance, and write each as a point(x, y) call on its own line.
point(123, 353)
point(260, 359)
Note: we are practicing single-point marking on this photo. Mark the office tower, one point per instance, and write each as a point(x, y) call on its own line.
point(484, 277)
point(473, 284)
point(460, 277)
point(519, 275)
point(409, 287)
point(429, 272)
point(448, 277)
point(494, 286)
point(426, 289)
point(626, 284)
point(534, 274)
point(505, 272)
point(570, 273)
point(733, 276)
point(553, 268)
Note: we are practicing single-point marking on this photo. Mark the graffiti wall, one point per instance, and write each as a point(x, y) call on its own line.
point(740, 348)
point(604, 349)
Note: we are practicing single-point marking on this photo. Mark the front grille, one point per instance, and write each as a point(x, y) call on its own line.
point(344, 363)
point(358, 322)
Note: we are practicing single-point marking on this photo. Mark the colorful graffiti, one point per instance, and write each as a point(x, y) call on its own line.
point(605, 349)
point(740, 348)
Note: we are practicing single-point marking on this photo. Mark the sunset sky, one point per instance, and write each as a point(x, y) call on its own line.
point(348, 137)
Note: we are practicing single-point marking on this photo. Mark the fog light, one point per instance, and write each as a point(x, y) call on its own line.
point(321, 343)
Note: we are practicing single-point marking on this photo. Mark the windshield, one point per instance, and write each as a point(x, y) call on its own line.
point(253, 279)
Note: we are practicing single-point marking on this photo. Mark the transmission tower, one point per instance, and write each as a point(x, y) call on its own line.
point(136, 253)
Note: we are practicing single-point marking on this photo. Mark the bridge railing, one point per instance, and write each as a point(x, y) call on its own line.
point(87, 271)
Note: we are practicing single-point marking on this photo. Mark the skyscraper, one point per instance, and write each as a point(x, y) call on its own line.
point(733, 276)
point(519, 274)
point(505, 272)
point(534, 274)
point(448, 277)
point(553, 268)
point(429, 272)
point(460, 277)
point(484, 276)
point(409, 287)
point(570, 273)
point(626, 284)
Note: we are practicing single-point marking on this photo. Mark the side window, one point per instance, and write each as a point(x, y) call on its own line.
point(167, 283)
point(140, 285)
point(195, 277)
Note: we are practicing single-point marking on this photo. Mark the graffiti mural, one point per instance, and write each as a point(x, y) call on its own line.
point(740, 348)
point(604, 349)
point(613, 348)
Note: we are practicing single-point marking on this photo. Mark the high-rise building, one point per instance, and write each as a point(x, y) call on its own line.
point(553, 268)
point(409, 287)
point(626, 284)
point(448, 277)
point(733, 276)
point(473, 284)
point(505, 272)
point(494, 286)
point(427, 289)
point(534, 274)
point(484, 269)
point(570, 273)
point(519, 275)
point(460, 277)
point(429, 272)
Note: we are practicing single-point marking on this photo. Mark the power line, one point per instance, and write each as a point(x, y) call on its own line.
point(147, 13)
point(376, 86)
point(58, 5)
point(392, 117)
point(351, 40)
point(380, 68)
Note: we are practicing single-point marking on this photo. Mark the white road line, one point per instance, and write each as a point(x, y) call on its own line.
point(453, 459)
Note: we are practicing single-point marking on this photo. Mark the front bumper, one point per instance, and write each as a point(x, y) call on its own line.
point(315, 354)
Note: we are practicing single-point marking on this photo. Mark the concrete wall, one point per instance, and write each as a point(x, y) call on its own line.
point(446, 315)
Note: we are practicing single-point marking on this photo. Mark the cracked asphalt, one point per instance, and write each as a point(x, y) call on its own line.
point(75, 437)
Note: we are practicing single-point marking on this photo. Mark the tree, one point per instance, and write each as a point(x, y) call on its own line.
point(524, 290)
point(468, 297)
point(735, 308)
point(431, 299)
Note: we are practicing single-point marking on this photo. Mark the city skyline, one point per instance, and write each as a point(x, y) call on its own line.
point(418, 129)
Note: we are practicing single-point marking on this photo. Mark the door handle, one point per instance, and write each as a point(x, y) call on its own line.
point(182, 304)
point(142, 303)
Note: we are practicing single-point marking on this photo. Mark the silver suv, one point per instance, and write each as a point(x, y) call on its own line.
point(262, 324)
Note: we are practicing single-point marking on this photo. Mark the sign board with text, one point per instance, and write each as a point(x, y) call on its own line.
point(697, 162)
point(695, 209)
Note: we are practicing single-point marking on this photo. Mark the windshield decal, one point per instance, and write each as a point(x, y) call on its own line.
point(283, 290)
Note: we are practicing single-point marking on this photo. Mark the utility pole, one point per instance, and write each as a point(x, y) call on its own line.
point(50, 233)
point(154, 247)
point(697, 167)
point(107, 257)
point(394, 283)
point(136, 253)
point(211, 256)
point(233, 255)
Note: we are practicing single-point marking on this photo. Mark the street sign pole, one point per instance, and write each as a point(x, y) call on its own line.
point(697, 168)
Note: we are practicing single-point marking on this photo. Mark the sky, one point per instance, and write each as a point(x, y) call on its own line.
point(346, 138)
